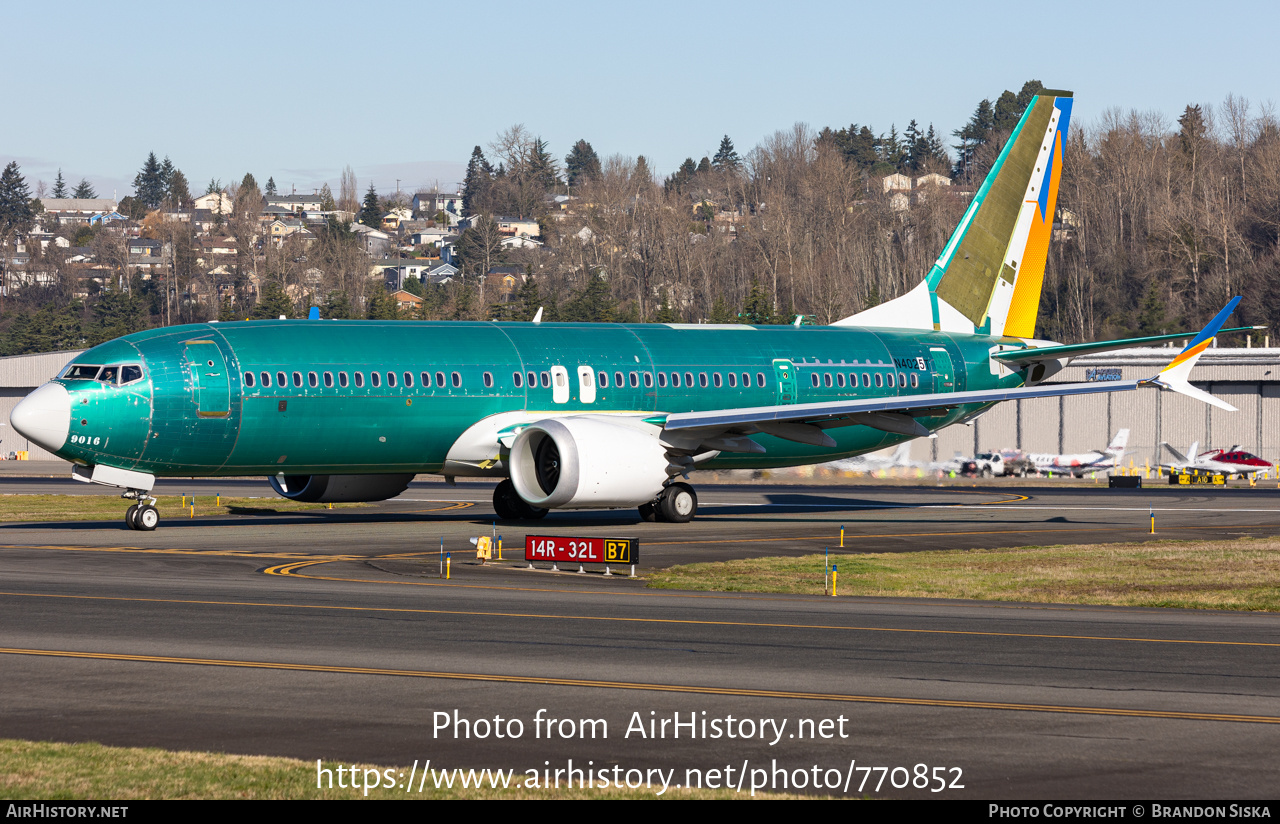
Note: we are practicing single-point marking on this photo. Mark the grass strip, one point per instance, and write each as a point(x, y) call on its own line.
point(109, 507)
point(48, 771)
point(1239, 574)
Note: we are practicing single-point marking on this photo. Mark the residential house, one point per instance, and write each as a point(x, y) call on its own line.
point(295, 203)
point(406, 301)
point(896, 182)
point(427, 204)
point(69, 210)
point(216, 202)
point(505, 280)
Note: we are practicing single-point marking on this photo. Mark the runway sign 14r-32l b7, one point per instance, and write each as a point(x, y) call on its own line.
point(581, 550)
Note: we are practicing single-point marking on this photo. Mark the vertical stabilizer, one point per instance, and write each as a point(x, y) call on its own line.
point(989, 275)
point(1118, 443)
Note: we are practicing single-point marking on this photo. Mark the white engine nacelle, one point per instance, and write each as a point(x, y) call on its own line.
point(339, 488)
point(588, 462)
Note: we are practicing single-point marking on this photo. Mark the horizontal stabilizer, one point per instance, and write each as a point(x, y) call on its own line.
point(1174, 377)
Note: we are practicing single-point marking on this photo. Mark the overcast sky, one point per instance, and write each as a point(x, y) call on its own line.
point(405, 90)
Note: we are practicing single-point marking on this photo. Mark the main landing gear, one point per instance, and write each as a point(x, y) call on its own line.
point(142, 516)
point(509, 506)
point(676, 504)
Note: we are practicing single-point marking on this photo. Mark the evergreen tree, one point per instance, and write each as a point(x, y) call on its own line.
point(593, 304)
point(665, 313)
point(642, 175)
point(179, 195)
point(371, 212)
point(59, 186)
point(271, 187)
point(704, 165)
point(758, 309)
point(273, 302)
point(414, 286)
point(327, 203)
point(582, 163)
point(248, 196)
point(543, 168)
point(117, 312)
point(975, 133)
point(380, 305)
point(336, 305)
point(149, 185)
point(726, 159)
point(476, 185)
point(16, 212)
point(84, 189)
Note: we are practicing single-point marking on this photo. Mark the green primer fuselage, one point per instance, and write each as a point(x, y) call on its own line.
point(195, 414)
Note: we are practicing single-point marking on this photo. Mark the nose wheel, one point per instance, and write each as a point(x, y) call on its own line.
point(143, 516)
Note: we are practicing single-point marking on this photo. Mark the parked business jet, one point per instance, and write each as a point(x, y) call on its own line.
point(575, 416)
point(1082, 463)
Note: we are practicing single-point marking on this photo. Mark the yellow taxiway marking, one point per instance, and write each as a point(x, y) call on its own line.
point(652, 687)
point(623, 619)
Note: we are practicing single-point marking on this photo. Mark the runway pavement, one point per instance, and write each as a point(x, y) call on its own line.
point(327, 635)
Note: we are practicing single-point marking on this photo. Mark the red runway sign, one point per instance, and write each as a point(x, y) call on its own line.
point(581, 550)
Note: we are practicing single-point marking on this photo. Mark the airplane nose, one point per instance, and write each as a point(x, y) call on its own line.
point(44, 416)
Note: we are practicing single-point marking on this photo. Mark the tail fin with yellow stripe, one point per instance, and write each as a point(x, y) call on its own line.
point(989, 275)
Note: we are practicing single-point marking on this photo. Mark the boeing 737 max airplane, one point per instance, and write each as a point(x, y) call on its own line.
point(574, 416)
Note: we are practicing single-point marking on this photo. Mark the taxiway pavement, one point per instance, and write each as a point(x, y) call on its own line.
point(326, 635)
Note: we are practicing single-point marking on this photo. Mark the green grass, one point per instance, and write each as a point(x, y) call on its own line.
point(110, 507)
point(1241, 574)
point(49, 772)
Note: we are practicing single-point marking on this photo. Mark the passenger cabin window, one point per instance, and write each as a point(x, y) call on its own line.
point(840, 379)
point(359, 379)
point(635, 380)
point(733, 380)
point(297, 379)
point(715, 380)
point(902, 379)
point(662, 380)
point(604, 380)
point(488, 380)
point(675, 379)
point(533, 380)
point(617, 380)
point(440, 379)
point(375, 380)
point(425, 377)
point(313, 380)
point(248, 379)
point(391, 379)
point(866, 379)
point(328, 380)
point(760, 379)
point(879, 380)
point(815, 379)
point(408, 379)
point(342, 379)
point(688, 379)
point(648, 380)
point(266, 378)
point(517, 378)
point(546, 380)
point(457, 379)
point(826, 380)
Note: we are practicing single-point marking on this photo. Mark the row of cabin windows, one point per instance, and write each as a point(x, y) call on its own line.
point(544, 379)
point(357, 379)
point(880, 379)
point(635, 379)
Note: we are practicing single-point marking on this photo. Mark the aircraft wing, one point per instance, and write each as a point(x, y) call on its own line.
point(896, 414)
point(1075, 350)
point(805, 422)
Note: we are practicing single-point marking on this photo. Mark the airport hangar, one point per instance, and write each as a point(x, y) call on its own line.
point(1248, 379)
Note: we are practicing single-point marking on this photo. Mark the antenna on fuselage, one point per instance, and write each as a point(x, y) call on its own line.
point(537, 317)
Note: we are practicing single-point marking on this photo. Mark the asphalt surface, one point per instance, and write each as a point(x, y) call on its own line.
point(329, 635)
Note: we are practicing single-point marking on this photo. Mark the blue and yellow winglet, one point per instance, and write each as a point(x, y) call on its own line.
point(1174, 377)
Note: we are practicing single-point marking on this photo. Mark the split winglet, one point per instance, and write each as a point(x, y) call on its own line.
point(1174, 376)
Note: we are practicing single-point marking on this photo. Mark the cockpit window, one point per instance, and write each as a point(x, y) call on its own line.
point(129, 373)
point(82, 372)
point(108, 374)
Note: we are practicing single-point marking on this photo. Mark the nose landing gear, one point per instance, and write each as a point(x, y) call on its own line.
point(142, 516)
